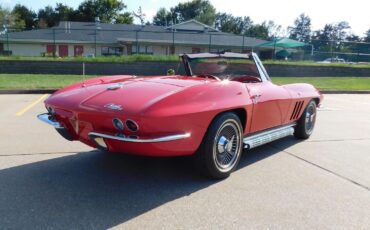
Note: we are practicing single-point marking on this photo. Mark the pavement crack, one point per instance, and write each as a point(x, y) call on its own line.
point(339, 140)
point(32, 154)
point(323, 168)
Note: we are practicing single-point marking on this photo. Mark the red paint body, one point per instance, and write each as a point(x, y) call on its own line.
point(170, 105)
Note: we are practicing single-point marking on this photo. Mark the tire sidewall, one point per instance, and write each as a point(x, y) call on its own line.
point(210, 140)
point(301, 131)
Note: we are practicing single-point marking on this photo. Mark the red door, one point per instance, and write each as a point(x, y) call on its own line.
point(270, 105)
point(63, 51)
point(78, 50)
point(50, 48)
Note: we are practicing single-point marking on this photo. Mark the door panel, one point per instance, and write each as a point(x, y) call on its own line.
point(50, 48)
point(63, 51)
point(270, 105)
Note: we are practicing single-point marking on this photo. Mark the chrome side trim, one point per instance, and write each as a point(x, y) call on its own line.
point(268, 136)
point(154, 140)
point(45, 117)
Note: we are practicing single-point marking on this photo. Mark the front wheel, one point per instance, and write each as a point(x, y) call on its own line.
point(221, 148)
point(306, 122)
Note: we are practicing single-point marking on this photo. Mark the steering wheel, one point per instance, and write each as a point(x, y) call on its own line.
point(248, 79)
point(209, 76)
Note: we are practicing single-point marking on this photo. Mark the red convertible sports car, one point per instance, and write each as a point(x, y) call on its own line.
point(222, 104)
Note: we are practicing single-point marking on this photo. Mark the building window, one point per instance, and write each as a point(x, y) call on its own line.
point(195, 50)
point(78, 50)
point(219, 50)
point(112, 51)
point(142, 49)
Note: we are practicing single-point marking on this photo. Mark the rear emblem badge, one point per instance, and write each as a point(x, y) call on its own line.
point(115, 86)
point(113, 106)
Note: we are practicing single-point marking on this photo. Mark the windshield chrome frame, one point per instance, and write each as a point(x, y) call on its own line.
point(261, 69)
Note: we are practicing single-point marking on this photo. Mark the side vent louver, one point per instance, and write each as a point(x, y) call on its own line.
point(297, 110)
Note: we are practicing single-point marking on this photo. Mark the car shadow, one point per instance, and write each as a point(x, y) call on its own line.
point(95, 190)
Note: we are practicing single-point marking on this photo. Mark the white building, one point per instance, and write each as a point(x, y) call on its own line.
point(95, 39)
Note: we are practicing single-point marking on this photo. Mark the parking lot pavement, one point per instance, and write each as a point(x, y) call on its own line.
point(47, 182)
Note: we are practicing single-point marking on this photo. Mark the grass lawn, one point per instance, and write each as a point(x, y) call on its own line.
point(164, 58)
point(37, 81)
point(41, 81)
point(329, 83)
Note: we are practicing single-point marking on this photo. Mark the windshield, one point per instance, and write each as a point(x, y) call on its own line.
point(225, 68)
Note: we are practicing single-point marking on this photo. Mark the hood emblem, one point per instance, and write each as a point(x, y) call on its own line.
point(113, 106)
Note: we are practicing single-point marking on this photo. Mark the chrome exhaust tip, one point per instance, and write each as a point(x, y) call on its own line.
point(99, 142)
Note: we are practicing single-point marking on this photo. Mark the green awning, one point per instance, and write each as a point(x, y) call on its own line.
point(282, 54)
point(283, 43)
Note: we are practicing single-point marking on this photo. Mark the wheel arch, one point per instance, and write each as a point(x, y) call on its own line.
point(316, 100)
point(240, 112)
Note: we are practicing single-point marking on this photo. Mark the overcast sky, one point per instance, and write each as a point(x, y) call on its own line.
point(283, 12)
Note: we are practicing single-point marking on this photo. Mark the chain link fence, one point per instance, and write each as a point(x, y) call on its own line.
point(63, 41)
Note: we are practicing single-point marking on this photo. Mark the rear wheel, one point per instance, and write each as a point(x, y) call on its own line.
point(306, 122)
point(221, 149)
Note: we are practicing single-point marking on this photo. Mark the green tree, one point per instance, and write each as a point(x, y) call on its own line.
point(107, 10)
point(301, 30)
point(124, 18)
point(229, 24)
point(22, 13)
point(353, 38)
point(63, 12)
point(47, 17)
point(258, 31)
point(331, 36)
point(321, 39)
point(10, 21)
point(367, 36)
point(341, 30)
point(200, 10)
point(274, 30)
point(163, 17)
point(139, 14)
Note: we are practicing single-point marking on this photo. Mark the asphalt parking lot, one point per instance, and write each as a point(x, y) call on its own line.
point(49, 183)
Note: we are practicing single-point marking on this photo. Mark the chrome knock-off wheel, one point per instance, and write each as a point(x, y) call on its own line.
point(221, 148)
point(227, 146)
point(310, 118)
point(306, 122)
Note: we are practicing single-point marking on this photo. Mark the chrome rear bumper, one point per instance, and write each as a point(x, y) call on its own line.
point(94, 135)
point(45, 117)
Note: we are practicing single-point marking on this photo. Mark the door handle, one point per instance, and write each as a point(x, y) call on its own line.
point(255, 98)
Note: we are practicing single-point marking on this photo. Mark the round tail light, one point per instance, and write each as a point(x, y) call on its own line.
point(118, 124)
point(132, 125)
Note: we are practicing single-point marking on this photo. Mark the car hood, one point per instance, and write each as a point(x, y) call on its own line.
point(130, 96)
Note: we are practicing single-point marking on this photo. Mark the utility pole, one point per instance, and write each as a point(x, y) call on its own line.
point(173, 42)
point(137, 41)
point(54, 44)
point(7, 40)
point(210, 43)
point(243, 44)
point(96, 31)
